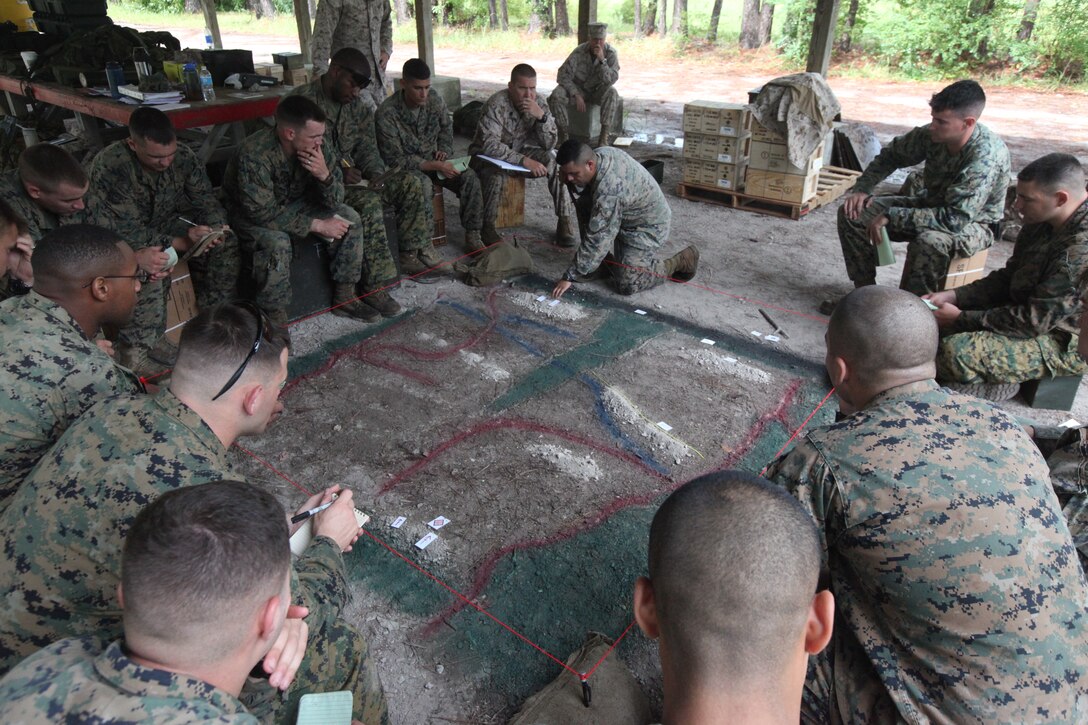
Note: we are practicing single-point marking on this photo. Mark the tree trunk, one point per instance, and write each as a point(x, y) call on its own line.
point(715, 18)
point(680, 17)
point(663, 17)
point(193, 6)
point(492, 15)
point(1027, 25)
point(540, 18)
point(755, 23)
point(980, 8)
point(649, 18)
point(562, 21)
point(504, 15)
point(262, 8)
point(447, 14)
point(638, 18)
point(402, 11)
point(846, 40)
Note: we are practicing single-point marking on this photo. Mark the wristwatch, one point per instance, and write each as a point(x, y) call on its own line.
point(544, 118)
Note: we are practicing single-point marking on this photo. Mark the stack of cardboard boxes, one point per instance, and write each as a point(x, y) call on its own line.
point(716, 144)
point(772, 176)
point(295, 72)
point(272, 70)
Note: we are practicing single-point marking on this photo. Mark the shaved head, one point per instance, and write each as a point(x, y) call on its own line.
point(70, 255)
point(734, 564)
point(884, 333)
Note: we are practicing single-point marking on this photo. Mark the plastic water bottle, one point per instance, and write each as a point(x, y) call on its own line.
point(115, 77)
point(192, 82)
point(206, 86)
point(208, 39)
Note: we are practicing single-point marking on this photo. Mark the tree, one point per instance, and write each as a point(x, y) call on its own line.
point(504, 15)
point(492, 15)
point(755, 23)
point(680, 17)
point(540, 18)
point(262, 8)
point(402, 11)
point(715, 17)
point(846, 40)
point(663, 17)
point(649, 18)
point(638, 18)
point(1027, 25)
point(562, 22)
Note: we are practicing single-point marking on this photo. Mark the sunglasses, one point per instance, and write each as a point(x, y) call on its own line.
point(359, 80)
point(142, 277)
point(262, 328)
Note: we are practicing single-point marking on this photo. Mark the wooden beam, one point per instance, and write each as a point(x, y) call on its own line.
point(587, 13)
point(305, 29)
point(211, 22)
point(823, 32)
point(425, 33)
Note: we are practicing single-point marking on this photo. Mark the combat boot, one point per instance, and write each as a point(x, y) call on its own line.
point(136, 359)
point(383, 303)
point(564, 232)
point(411, 264)
point(430, 257)
point(473, 243)
point(489, 235)
point(345, 304)
point(602, 139)
point(681, 266)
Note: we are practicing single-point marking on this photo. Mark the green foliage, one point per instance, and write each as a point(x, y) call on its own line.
point(1061, 38)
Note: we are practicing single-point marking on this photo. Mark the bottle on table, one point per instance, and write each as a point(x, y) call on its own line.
point(191, 81)
point(207, 88)
point(208, 42)
point(115, 77)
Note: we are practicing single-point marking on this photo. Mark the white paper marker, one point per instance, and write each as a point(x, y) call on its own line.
point(438, 522)
point(541, 298)
point(426, 541)
point(707, 341)
point(664, 426)
point(757, 333)
point(398, 522)
point(772, 338)
point(640, 312)
point(553, 303)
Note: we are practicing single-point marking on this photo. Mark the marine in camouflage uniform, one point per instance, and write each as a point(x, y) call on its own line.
point(506, 133)
point(350, 135)
point(75, 680)
point(362, 24)
point(64, 532)
point(1066, 452)
point(409, 137)
point(272, 200)
point(957, 587)
point(584, 74)
point(1021, 322)
point(622, 211)
point(144, 207)
point(956, 214)
point(52, 374)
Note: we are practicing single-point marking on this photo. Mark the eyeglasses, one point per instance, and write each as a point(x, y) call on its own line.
point(142, 277)
point(259, 314)
point(358, 79)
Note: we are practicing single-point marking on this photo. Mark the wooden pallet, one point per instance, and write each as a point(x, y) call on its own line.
point(833, 183)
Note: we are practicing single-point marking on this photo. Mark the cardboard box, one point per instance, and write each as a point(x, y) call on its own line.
point(792, 188)
point(965, 270)
point(714, 174)
point(297, 77)
point(762, 133)
point(180, 301)
point(289, 61)
point(716, 118)
point(272, 70)
point(775, 157)
point(721, 149)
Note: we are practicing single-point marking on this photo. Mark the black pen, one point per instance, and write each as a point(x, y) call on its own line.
point(298, 518)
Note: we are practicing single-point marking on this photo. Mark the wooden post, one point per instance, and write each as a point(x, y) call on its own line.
point(587, 13)
point(823, 35)
point(305, 29)
point(211, 20)
point(425, 33)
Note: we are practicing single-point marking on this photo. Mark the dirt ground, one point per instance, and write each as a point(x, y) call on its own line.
point(534, 429)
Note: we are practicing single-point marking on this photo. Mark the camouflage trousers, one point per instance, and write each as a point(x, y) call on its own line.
point(467, 187)
point(929, 252)
point(410, 196)
point(270, 251)
point(378, 266)
point(215, 280)
point(494, 179)
point(633, 270)
point(988, 357)
point(560, 104)
point(337, 658)
point(842, 685)
point(1069, 475)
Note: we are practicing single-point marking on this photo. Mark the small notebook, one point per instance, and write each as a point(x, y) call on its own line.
point(305, 534)
point(325, 708)
point(461, 164)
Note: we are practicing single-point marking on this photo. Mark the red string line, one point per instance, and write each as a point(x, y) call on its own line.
point(799, 429)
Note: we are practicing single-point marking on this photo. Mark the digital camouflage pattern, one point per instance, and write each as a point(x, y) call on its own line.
point(407, 137)
point(964, 194)
point(958, 593)
point(272, 200)
point(64, 530)
point(506, 133)
point(52, 374)
point(38, 220)
point(1069, 475)
point(1021, 322)
point(624, 212)
point(365, 25)
point(350, 132)
point(144, 208)
point(76, 681)
point(583, 74)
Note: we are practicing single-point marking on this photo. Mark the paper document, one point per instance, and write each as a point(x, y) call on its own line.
point(460, 163)
point(325, 708)
point(504, 165)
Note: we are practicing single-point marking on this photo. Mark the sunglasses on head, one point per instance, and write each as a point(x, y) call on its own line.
point(358, 79)
point(262, 328)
